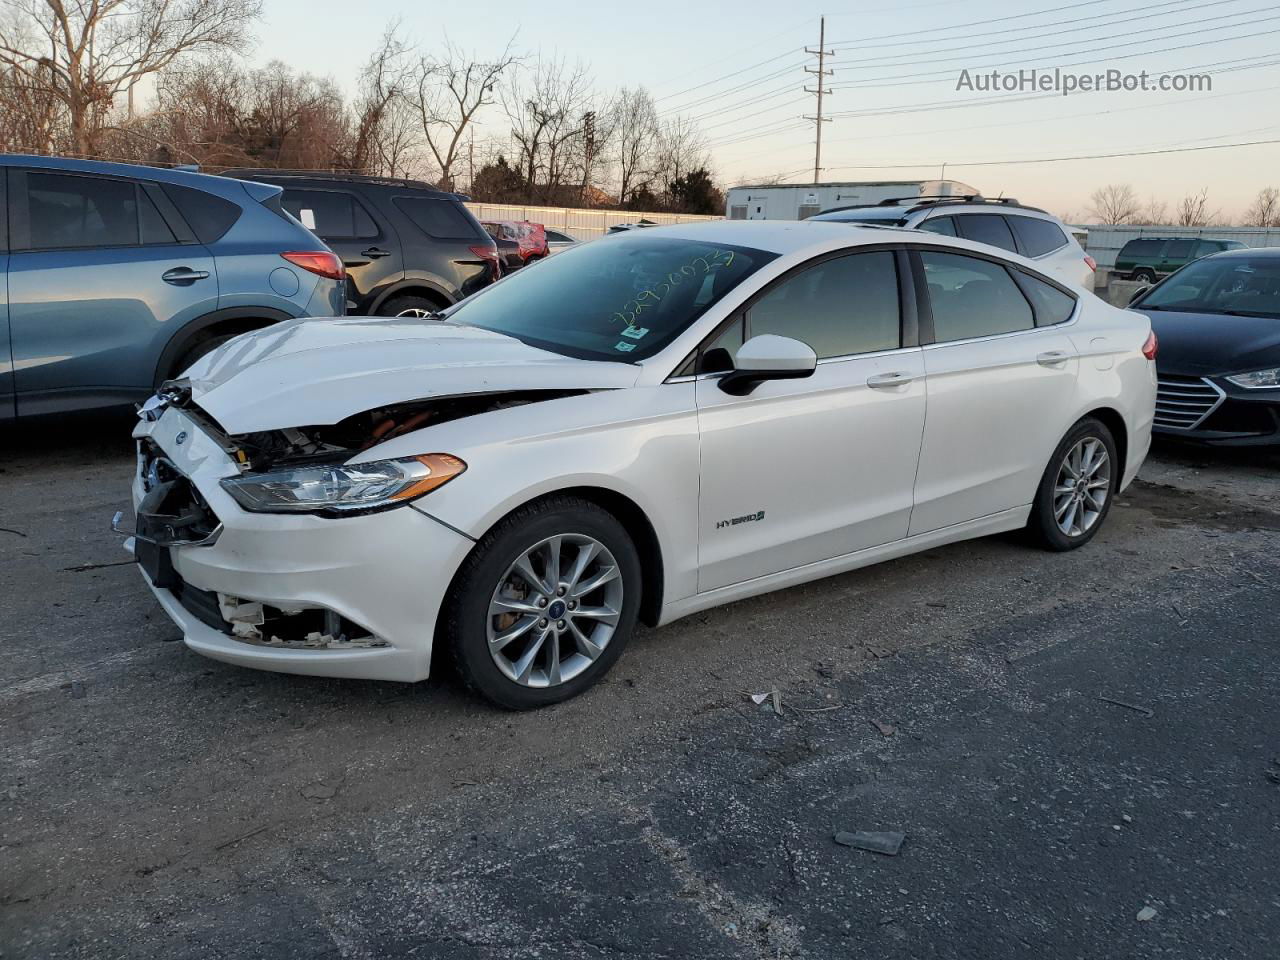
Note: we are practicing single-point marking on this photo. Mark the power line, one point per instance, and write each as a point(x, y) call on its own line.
point(1092, 156)
point(871, 63)
point(915, 34)
point(1093, 21)
point(932, 75)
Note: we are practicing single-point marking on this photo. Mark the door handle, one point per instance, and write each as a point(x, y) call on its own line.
point(1052, 358)
point(884, 381)
point(183, 276)
point(373, 253)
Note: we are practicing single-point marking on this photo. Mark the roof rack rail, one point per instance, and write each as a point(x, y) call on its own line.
point(242, 172)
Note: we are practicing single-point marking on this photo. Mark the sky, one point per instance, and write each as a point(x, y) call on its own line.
point(895, 107)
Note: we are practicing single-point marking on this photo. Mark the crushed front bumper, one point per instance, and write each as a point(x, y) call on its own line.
point(261, 592)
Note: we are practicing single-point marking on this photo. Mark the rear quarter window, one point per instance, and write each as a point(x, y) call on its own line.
point(1037, 237)
point(209, 217)
point(440, 219)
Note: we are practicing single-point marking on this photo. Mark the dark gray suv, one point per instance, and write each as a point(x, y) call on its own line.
point(121, 276)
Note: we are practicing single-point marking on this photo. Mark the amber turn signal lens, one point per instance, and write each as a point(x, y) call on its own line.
point(441, 468)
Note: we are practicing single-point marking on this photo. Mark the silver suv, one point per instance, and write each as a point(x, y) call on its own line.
point(1002, 223)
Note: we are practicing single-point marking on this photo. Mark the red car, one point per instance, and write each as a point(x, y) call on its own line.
point(519, 241)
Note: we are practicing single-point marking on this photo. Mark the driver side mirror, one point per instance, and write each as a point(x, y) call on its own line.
point(1141, 291)
point(768, 357)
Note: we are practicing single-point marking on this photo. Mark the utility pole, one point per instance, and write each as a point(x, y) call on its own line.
point(589, 151)
point(822, 73)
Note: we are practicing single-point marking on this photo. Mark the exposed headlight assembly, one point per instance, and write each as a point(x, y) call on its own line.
point(342, 489)
point(1258, 380)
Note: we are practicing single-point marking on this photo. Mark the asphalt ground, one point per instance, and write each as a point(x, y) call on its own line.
point(1068, 742)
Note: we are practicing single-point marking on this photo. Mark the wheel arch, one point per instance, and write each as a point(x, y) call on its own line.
point(413, 286)
point(227, 320)
point(638, 526)
point(1114, 421)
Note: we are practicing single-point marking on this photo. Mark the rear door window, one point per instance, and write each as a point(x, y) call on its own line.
point(987, 228)
point(1179, 249)
point(330, 214)
point(65, 211)
point(972, 297)
point(1037, 237)
point(441, 219)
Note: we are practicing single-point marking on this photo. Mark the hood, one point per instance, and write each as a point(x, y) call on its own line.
point(312, 372)
point(1200, 344)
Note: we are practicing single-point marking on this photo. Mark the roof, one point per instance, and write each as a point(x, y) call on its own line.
point(819, 186)
point(188, 178)
point(792, 236)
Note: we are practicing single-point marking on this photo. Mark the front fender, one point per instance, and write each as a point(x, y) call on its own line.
point(640, 443)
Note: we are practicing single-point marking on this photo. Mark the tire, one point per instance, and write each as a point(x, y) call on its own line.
point(1145, 275)
point(198, 349)
point(409, 306)
point(1052, 510)
point(489, 578)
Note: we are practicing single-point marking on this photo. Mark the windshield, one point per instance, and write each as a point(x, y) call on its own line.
point(1237, 285)
point(622, 297)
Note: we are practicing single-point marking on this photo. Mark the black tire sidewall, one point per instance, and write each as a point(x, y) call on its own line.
point(396, 305)
point(1042, 523)
point(468, 604)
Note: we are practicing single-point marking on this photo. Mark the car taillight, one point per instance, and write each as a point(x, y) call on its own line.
point(1151, 347)
point(320, 262)
point(1091, 263)
point(489, 254)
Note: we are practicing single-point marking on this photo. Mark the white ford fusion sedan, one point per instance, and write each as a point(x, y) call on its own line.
point(638, 429)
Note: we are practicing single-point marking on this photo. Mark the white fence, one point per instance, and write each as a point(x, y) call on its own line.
point(579, 224)
point(1105, 241)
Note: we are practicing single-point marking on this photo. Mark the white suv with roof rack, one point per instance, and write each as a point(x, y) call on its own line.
point(1002, 223)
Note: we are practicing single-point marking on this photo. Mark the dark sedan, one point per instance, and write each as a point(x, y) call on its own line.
point(1218, 322)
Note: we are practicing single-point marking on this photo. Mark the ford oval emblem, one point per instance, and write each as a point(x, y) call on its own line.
point(181, 438)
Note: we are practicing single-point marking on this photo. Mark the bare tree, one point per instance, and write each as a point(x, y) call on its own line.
point(635, 126)
point(1193, 210)
point(448, 93)
point(88, 53)
point(29, 114)
point(1265, 211)
point(384, 133)
point(548, 108)
point(1154, 212)
point(1114, 203)
point(680, 148)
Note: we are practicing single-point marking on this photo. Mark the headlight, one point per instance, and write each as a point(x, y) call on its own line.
point(1259, 379)
point(336, 489)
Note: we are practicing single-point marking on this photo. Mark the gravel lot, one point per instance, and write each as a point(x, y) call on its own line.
point(1065, 740)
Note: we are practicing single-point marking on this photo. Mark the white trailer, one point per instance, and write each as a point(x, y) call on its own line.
point(789, 201)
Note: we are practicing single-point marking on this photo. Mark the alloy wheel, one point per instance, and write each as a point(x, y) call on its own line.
point(1082, 487)
point(554, 610)
point(421, 312)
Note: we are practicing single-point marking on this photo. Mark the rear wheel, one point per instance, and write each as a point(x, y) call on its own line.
point(1077, 488)
point(410, 306)
point(544, 605)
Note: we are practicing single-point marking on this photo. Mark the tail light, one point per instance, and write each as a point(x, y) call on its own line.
point(1091, 263)
point(1151, 347)
point(490, 256)
point(320, 262)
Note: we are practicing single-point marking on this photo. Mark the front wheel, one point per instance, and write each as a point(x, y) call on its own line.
point(1144, 276)
point(1076, 490)
point(544, 604)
